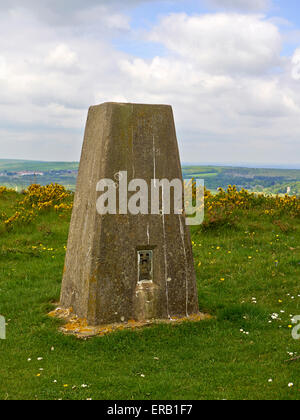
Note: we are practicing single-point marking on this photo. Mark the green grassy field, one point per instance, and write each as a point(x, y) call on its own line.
point(246, 272)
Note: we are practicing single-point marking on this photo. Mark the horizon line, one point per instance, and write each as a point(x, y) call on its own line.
point(250, 165)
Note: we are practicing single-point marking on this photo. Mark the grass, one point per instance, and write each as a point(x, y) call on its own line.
point(256, 260)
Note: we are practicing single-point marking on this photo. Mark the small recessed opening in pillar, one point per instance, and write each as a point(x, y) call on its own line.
point(145, 266)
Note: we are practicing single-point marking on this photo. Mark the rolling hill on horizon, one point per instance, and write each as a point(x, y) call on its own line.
point(19, 174)
point(16, 165)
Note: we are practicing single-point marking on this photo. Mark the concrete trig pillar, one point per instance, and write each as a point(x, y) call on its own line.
point(123, 266)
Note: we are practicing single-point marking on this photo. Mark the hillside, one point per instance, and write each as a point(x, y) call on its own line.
point(273, 181)
point(248, 267)
point(19, 174)
point(27, 165)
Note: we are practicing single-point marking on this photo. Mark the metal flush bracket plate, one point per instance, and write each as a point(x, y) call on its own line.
point(145, 266)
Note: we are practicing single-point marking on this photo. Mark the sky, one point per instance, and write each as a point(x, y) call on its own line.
point(229, 68)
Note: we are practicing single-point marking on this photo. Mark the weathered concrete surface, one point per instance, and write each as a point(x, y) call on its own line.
point(100, 279)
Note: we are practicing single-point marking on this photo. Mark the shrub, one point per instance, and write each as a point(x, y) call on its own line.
point(223, 208)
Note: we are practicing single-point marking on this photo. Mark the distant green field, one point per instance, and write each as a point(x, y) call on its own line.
point(270, 181)
point(64, 173)
point(27, 165)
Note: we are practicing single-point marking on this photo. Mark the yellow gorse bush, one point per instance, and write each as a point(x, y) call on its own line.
point(38, 198)
point(63, 206)
point(44, 196)
point(24, 217)
point(5, 190)
point(221, 208)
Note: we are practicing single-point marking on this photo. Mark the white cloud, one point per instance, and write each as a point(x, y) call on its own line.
point(296, 65)
point(49, 76)
point(222, 42)
point(244, 5)
point(217, 70)
point(219, 75)
point(66, 12)
point(62, 58)
point(3, 68)
point(63, 7)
